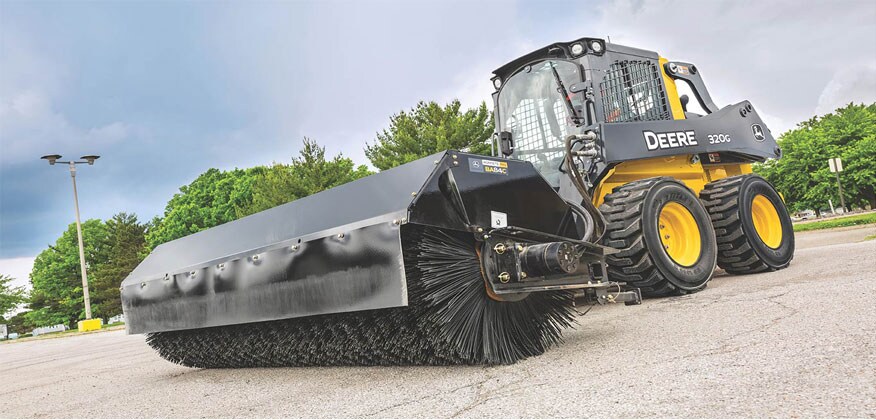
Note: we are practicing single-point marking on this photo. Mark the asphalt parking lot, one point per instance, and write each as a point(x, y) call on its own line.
point(800, 342)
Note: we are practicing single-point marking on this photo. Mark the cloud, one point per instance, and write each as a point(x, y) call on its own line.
point(849, 84)
point(30, 126)
point(30, 123)
point(778, 54)
point(110, 133)
point(19, 269)
point(472, 84)
point(165, 91)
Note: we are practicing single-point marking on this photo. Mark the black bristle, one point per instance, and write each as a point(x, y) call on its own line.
point(450, 320)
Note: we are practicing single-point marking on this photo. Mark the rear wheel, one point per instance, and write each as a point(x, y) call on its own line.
point(667, 244)
point(752, 225)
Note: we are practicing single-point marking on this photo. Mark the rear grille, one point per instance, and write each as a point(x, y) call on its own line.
point(633, 91)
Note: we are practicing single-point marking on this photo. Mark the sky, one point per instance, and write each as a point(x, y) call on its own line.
point(162, 91)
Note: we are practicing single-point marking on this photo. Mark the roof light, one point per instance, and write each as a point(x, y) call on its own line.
point(577, 49)
point(497, 83)
point(596, 46)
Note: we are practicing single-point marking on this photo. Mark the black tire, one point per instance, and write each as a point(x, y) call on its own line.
point(740, 249)
point(631, 212)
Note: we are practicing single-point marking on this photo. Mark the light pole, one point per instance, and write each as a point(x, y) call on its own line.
point(53, 159)
point(836, 166)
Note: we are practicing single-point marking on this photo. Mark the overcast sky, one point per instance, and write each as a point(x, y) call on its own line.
point(165, 90)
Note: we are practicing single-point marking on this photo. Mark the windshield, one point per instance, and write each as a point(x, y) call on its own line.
point(533, 109)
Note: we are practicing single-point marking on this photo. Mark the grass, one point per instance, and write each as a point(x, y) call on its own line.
point(861, 219)
point(870, 238)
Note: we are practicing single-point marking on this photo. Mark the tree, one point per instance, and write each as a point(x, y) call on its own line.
point(214, 198)
point(308, 174)
point(56, 296)
point(126, 240)
point(10, 297)
point(860, 169)
point(803, 175)
point(218, 197)
point(430, 128)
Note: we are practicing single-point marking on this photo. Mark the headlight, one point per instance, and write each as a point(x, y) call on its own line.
point(497, 83)
point(577, 49)
point(596, 46)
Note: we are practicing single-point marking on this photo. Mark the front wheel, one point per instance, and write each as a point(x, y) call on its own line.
point(666, 241)
point(752, 225)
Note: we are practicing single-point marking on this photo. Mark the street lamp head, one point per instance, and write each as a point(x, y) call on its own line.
point(90, 158)
point(51, 158)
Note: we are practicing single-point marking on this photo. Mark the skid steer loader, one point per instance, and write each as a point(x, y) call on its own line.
point(601, 187)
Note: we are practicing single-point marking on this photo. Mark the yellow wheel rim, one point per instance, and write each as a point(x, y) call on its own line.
point(679, 234)
point(766, 221)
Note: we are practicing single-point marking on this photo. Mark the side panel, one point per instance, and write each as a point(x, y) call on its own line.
point(735, 128)
point(357, 270)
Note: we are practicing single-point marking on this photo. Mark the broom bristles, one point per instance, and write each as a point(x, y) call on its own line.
point(450, 320)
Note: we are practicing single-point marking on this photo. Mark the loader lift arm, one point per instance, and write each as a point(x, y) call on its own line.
point(689, 73)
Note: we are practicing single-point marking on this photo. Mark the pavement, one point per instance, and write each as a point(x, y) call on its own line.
point(800, 342)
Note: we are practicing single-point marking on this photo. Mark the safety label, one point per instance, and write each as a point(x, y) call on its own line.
point(498, 219)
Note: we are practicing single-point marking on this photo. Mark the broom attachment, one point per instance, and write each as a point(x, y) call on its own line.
point(418, 272)
point(452, 318)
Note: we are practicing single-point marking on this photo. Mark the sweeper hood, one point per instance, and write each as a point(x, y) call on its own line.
point(341, 250)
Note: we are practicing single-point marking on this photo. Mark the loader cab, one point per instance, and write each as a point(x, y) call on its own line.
point(569, 88)
point(533, 110)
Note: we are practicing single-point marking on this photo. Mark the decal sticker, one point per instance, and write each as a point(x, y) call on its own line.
point(488, 166)
point(719, 138)
point(714, 157)
point(498, 219)
point(475, 165)
point(757, 131)
point(670, 140)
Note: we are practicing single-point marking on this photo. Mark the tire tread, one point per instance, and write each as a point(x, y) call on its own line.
point(735, 251)
point(633, 264)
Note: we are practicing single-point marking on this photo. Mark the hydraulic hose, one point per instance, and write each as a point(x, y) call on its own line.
point(589, 223)
point(578, 182)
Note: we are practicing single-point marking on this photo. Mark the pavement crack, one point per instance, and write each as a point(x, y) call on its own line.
point(478, 384)
point(726, 346)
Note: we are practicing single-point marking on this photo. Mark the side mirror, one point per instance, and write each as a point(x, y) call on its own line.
point(684, 100)
point(506, 143)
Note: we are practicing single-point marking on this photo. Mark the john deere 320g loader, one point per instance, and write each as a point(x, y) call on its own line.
point(602, 187)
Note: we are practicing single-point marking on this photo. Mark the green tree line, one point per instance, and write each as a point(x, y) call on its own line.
point(803, 175)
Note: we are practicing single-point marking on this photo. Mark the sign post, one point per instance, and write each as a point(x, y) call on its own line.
point(836, 166)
